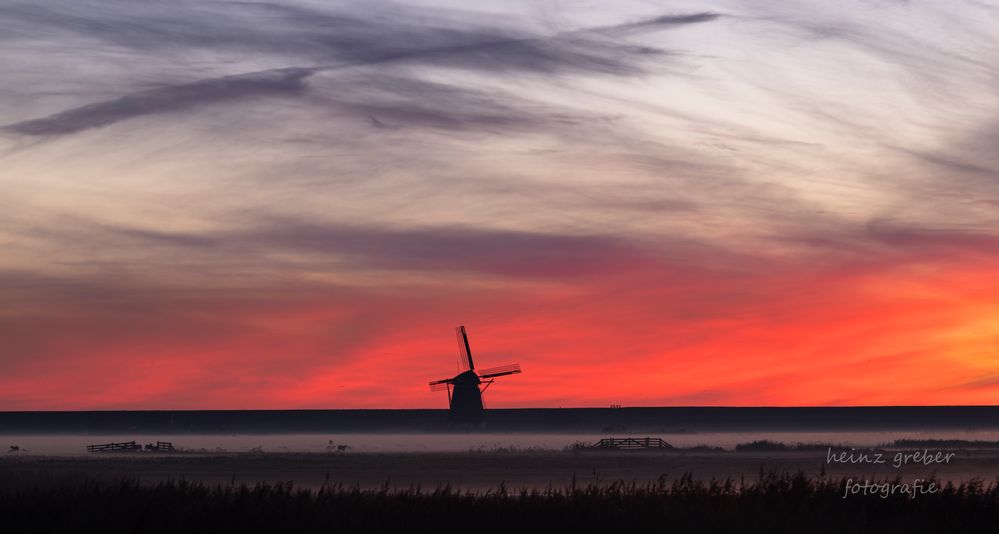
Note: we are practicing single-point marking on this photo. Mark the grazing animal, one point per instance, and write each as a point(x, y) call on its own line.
point(341, 448)
point(14, 448)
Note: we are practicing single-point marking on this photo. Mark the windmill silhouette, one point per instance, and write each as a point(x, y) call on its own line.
point(464, 390)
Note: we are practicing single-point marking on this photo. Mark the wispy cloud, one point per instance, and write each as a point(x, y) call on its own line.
point(332, 41)
point(710, 193)
point(167, 99)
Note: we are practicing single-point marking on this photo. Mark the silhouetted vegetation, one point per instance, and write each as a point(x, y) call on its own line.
point(701, 448)
point(767, 445)
point(508, 449)
point(761, 445)
point(774, 504)
point(945, 443)
point(589, 446)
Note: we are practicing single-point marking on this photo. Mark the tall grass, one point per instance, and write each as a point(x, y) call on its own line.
point(775, 503)
point(767, 445)
point(945, 443)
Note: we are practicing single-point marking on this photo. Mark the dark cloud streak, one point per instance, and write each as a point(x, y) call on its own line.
point(332, 41)
point(445, 249)
point(166, 99)
point(658, 23)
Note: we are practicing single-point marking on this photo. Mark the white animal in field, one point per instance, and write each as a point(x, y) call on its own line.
point(332, 447)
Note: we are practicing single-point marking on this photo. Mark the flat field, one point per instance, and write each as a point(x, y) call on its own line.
point(487, 469)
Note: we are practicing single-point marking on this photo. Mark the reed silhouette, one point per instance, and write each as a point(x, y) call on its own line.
point(774, 503)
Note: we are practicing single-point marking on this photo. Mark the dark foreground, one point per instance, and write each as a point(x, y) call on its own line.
point(774, 503)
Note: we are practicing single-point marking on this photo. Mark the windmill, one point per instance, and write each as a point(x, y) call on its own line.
point(464, 390)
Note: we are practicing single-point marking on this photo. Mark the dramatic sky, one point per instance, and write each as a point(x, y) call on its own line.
point(292, 204)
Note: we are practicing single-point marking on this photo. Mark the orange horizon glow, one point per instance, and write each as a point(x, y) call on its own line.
point(892, 336)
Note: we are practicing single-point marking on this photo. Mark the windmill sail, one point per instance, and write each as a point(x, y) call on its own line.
point(513, 368)
point(464, 351)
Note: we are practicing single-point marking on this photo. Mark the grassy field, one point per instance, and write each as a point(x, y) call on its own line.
point(761, 486)
point(774, 503)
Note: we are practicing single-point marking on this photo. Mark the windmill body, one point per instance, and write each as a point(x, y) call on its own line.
point(465, 389)
point(466, 398)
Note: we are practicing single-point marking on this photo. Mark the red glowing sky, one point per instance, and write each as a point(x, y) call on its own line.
point(885, 333)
